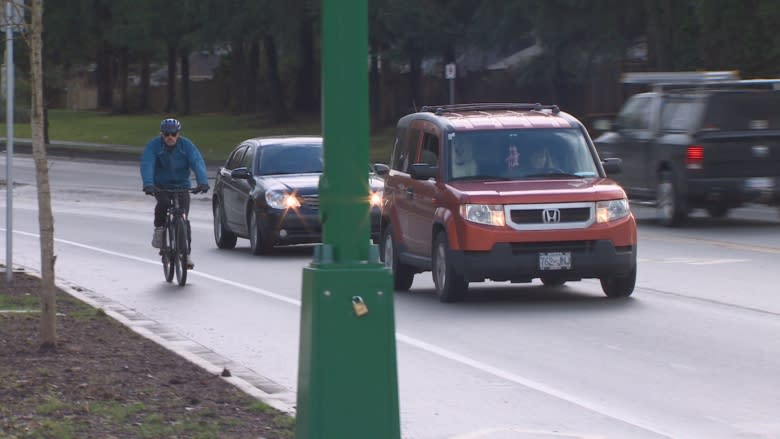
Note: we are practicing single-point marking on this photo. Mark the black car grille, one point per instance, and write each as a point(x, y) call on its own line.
point(312, 201)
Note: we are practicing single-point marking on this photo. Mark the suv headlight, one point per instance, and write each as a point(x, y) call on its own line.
point(611, 210)
point(490, 214)
point(282, 200)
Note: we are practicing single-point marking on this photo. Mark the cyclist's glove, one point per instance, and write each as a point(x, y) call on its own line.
point(150, 190)
point(202, 189)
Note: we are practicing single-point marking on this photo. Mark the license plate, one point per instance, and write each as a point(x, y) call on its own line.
point(760, 183)
point(555, 261)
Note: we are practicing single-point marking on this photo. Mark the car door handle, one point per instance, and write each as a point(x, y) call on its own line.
point(409, 193)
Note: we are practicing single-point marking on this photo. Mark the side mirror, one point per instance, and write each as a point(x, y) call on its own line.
point(241, 173)
point(381, 169)
point(612, 165)
point(423, 171)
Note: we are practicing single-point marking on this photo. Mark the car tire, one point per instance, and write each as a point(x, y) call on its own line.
point(258, 242)
point(619, 286)
point(451, 286)
point(403, 275)
point(224, 238)
point(670, 210)
point(552, 281)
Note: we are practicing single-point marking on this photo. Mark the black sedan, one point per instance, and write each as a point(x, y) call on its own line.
point(267, 192)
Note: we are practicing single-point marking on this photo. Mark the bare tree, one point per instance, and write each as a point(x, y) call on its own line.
point(33, 33)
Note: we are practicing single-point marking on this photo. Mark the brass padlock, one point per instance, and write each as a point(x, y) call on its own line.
point(359, 306)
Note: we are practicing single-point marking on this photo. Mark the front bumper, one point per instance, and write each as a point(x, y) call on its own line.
point(304, 226)
point(733, 192)
point(519, 262)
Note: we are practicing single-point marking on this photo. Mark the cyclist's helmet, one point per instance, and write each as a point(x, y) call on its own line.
point(170, 125)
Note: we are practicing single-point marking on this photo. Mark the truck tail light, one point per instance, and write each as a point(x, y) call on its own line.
point(694, 157)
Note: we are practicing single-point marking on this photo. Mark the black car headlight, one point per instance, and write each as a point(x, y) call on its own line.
point(282, 200)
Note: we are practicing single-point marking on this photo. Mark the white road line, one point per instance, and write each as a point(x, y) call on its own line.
point(430, 348)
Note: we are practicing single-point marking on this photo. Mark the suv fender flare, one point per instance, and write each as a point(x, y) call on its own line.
point(444, 219)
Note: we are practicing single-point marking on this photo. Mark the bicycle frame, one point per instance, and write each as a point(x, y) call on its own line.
point(176, 243)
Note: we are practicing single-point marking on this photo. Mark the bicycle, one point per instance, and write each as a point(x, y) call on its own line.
point(176, 243)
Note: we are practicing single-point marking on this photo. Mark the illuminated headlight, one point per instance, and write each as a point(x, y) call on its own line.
point(490, 214)
point(376, 198)
point(281, 200)
point(611, 210)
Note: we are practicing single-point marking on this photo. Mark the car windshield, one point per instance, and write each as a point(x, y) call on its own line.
point(289, 159)
point(521, 154)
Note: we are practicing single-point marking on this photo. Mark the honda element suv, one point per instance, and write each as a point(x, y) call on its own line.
point(503, 192)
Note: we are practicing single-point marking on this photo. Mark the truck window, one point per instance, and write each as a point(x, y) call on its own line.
point(636, 113)
point(680, 115)
point(743, 110)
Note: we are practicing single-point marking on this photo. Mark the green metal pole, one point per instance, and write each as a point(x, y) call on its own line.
point(347, 373)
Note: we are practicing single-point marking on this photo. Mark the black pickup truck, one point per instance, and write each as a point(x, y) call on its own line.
point(709, 144)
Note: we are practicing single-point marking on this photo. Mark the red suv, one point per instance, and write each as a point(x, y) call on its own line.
point(503, 192)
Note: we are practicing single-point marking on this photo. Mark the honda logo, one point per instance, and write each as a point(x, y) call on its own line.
point(550, 216)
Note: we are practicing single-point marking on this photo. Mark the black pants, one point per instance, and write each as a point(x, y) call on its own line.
point(161, 209)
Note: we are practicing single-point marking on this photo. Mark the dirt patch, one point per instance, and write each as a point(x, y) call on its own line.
point(105, 381)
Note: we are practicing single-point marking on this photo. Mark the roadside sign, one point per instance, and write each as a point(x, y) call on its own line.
point(449, 71)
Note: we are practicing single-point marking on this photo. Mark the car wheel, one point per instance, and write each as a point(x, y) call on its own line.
point(451, 286)
point(403, 275)
point(257, 242)
point(717, 211)
point(670, 210)
point(619, 286)
point(552, 281)
point(223, 237)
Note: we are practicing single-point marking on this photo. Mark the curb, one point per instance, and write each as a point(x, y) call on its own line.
point(245, 379)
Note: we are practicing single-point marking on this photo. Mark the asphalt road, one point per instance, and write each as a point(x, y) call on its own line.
point(694, 353)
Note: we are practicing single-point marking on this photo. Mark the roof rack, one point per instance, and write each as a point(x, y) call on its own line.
point(441, 109)
point(661, 80)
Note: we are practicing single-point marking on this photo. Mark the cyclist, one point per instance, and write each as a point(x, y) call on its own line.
point(165, 164)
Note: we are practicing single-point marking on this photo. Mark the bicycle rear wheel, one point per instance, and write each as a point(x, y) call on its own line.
point(166, 254)
point(180, 251)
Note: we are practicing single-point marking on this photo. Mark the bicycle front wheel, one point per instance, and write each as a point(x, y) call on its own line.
point(180, 251)
point(167, 255)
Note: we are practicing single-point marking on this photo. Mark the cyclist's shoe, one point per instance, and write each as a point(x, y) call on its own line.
point(158, 237)
point(190, 262)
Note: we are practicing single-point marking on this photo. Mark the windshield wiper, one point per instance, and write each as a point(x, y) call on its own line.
point(553, 175)
point(481, 177)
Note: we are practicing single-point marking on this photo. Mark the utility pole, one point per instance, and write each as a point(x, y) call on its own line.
point(347, 373)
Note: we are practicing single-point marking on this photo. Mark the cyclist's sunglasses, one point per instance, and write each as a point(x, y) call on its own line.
point(170, 134)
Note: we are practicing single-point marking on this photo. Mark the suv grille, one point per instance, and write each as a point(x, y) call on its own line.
point(549, 216)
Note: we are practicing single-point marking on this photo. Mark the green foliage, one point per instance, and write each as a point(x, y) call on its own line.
point(215, 134)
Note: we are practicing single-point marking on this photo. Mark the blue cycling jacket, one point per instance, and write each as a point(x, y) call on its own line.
point(170, 167)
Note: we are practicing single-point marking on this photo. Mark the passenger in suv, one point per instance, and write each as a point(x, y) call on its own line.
point(504, 221)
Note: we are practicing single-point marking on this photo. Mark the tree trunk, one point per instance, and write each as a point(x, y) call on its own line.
point(145, 79)
point(375, 95)
point(304, 88)
point(253, 69)
point(185, 83)
point(274, 79)
point(237, 76)
point(415, 76)
point(48, 327)
point(170, 106)
point(103, 77)
point(122, 107)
